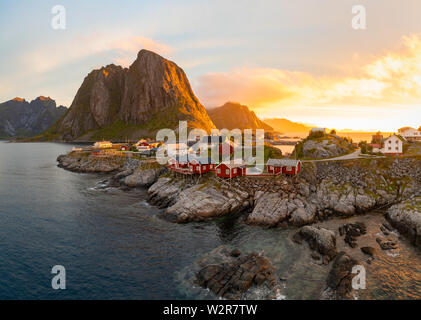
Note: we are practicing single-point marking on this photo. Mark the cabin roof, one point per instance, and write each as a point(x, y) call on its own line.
point(232, 164)
point(282, 162)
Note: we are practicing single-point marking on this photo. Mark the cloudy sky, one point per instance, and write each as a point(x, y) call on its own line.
point(300, 59)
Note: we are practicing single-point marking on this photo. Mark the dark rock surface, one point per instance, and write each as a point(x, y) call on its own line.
point(368, 250)
point(320, 240)
point(352, 231)
point(22, 119)
point(233, 277)
point(339, 280)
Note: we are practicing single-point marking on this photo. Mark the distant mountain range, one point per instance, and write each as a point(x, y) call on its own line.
point(117, 103)
point(21, 119)
point(287, 126)
point(236, 116)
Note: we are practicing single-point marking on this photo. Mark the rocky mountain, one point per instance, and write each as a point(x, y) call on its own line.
point(322, 146)
point(118, 103)
point(233, 115)
point(20, 118)
point(287, 126)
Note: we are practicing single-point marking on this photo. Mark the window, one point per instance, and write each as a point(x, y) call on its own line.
point(227, 171)
point(203, 167)
point(270, 167)
point(397, 148)
point(218, 171)
point(235, 171)
point(390, 141)
point(390, 148)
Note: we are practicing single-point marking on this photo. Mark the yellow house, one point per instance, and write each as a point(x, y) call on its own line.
point(103, 145)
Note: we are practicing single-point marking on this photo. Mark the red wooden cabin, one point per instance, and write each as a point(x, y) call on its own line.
point(284, 166)
point(230, 170)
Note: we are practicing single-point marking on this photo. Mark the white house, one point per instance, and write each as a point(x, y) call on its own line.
point(176, 149)
point(392, 145)
point(410, 134)
point(314, 130)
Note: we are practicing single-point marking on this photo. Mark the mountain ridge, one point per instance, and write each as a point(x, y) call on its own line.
point(287, 126)
point(22, 119)
point(233, 115)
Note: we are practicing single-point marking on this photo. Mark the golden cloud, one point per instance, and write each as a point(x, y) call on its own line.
point(393, 78)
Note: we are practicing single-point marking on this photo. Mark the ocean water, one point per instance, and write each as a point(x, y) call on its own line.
point(114, 245)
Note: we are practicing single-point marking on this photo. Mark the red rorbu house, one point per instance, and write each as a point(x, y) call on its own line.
point(180, 166)
point(125, 148)
point(284, 166)
point(230, 170)
point(201, 165)
point(172, 163)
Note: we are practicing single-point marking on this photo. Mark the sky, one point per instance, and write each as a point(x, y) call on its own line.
point(301, 60)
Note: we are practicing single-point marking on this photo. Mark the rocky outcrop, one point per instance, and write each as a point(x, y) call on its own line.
point(339, 280)
point(91, 164)
point(196, 202)
point(387, 244)
point(116, 103)
point(351, 232)
point(143, 177)
point(236, 116)
point(326, 146)
point(271, 210)
point(406, 217)
point(22, 119)
point(320, 239)
point(327, 189)
point(234, 276)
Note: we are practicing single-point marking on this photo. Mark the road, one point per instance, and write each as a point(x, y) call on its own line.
point(355, 155)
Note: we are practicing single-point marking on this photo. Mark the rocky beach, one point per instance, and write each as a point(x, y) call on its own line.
point(315, 206)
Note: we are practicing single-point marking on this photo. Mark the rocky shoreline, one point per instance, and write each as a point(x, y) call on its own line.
point(322, 191)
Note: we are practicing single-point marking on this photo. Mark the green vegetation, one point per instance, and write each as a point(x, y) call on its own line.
point(365, 147)
point(273, 153)
point(320, 137)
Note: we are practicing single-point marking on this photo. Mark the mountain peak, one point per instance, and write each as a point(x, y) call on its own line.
point(233, 115)
point(147, 53)
point(43, 98)
point(119, 103)
point(22, 119)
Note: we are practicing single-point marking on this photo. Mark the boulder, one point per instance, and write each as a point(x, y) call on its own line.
point(143, 177)
point(233, 278)
point(339, 280)
point(386, 244)
point(320, 239)
point(202, 202)
point(406, 217)
point(368, 251)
